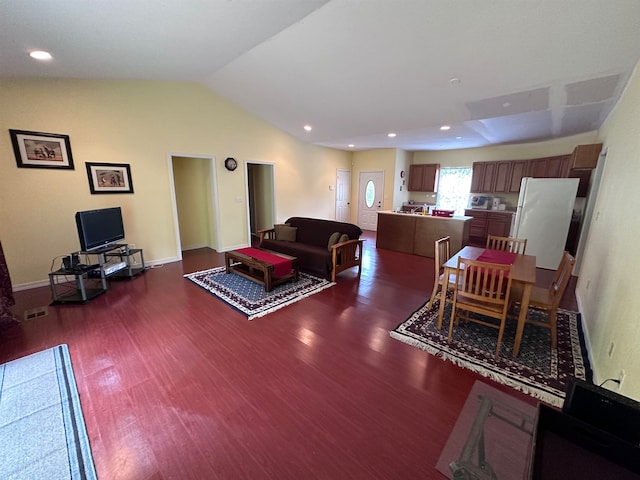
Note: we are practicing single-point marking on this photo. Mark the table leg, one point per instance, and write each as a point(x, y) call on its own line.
point(443, 295)
point(524, 307)
point(227, 263)
point(268, 277)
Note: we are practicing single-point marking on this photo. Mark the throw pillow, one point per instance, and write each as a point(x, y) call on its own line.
point(333, 239)
point(343, 238)
point(278, 228)
point(286, 233)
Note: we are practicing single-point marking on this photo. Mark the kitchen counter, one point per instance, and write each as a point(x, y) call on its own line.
point(408, 214)
point(416, 234)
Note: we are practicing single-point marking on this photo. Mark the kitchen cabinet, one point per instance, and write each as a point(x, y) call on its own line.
point(501, 177)
point(498, 177)
point(506, 176)
point(489, 175)
point(499, 224)
point(482, 178)
point(424, 177)
point(585, 156)
point(485, 223)
point(477, 176)
point(478, 226)
point(549, 167)
point(519, 170)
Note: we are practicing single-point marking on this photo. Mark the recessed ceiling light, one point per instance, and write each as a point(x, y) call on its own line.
point(445, 127)
point(454, 81)
point(308, 128)
point(351, 145)
point(391, 135)
point(458, 138)
point(506, 104)
point(40, 55)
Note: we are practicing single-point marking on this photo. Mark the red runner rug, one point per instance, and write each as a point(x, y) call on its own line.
point(497, 256)
point(281, 266)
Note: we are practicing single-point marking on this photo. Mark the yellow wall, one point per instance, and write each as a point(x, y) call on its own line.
point(608, 283)
point(382, 160)
point(142, 124)
point(400, 184)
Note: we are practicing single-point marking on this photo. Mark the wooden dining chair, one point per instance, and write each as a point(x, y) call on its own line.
point(549, 298)
point(482, 288)
point(442, 254)
point(508, 244)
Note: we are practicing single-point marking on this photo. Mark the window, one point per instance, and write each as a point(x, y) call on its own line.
point(453, 189)
point(370, 193)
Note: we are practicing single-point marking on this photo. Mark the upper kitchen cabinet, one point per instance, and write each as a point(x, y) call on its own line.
point(483, 176)
point(519, 170)
point(498, 177)
point(501, 174)
point(424, 177)
point(585, 156)
point(477, 176)
point(549, 167)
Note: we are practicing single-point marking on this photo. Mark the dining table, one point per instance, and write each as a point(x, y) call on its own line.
point(523, 272)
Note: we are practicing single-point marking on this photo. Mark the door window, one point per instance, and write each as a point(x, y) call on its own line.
point(370, 194)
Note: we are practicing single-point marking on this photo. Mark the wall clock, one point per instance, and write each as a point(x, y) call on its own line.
point(230, 164)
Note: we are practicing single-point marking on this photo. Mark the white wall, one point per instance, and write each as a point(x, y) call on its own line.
point(608, 286)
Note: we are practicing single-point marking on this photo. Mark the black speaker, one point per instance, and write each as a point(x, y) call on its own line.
point(75, 259)
point(604, 409)
point(66, 261)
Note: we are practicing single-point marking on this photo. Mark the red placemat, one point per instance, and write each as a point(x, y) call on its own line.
point(281, 266)
point(497, 256)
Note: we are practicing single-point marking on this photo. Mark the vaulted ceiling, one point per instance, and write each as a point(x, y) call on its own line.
point(495, 71)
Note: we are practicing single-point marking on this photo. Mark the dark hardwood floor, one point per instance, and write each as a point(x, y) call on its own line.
point(175, 384)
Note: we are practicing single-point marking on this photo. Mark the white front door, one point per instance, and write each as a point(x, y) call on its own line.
point(370, 196)
point(343, 196)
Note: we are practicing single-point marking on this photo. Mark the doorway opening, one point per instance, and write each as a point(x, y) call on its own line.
point(194, 201)
point(261, 198)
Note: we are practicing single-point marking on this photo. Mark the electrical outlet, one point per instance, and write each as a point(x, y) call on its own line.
point(621, 378)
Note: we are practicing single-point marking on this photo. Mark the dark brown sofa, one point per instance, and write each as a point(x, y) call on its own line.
point(311, 245)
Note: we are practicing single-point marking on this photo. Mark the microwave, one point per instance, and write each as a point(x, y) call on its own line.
point(481, 202)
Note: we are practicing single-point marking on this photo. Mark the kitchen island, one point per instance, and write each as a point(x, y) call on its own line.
point(416, 234)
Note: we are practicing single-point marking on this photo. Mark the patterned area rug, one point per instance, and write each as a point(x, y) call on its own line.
point(249, 297)
point(539, 370)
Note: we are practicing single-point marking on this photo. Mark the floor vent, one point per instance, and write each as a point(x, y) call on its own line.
point(36, 313)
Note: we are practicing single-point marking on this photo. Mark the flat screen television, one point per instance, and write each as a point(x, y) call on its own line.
point(99, 228)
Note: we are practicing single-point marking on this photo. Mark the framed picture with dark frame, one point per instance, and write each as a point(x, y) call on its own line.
point(109, 177)
point(41, 150)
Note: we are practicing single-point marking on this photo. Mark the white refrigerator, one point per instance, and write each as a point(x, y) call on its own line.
point(543, 216)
